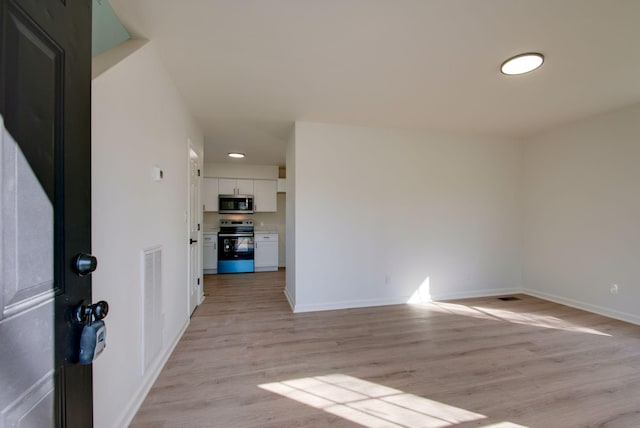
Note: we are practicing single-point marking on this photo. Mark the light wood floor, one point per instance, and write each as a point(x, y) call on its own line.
point(527, 362)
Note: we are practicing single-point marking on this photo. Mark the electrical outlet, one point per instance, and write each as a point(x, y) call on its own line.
point(614, 289)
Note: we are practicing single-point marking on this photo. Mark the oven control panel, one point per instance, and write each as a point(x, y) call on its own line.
point(225, 222)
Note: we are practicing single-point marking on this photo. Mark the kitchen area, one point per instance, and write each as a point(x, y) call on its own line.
point(243, 218)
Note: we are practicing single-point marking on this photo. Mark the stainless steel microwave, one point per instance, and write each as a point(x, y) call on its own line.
point(235, 204)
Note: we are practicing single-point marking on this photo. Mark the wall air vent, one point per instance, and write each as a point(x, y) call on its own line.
point(152, 318)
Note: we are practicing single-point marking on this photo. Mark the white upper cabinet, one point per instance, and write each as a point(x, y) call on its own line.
point(210, 194)
point(265, 192)
point(265, 197)
point(233, 186)
point(245, 187)
point(227, 186)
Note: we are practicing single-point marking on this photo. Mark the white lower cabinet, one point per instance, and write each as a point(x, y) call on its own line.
point(210, 253)
point(265, 252)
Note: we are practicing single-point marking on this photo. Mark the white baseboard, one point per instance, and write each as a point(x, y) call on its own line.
point(400, 300)
point(350, 304)
point(622, 316)
point(290, 300)
point(144, 389)
point(476, 293)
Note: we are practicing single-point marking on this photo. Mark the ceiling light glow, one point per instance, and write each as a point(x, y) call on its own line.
point(236, 155)
point(521, 64)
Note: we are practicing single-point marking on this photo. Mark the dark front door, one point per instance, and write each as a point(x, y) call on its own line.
point(45, 158)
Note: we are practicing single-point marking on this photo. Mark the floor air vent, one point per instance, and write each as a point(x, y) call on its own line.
point(508, 298)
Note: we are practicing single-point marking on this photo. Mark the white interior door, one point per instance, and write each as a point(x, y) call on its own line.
point(195, 212)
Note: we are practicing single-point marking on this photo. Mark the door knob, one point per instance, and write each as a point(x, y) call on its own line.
point(192, 241)
point(84, 264)
point(100, 309)
point(86, 313)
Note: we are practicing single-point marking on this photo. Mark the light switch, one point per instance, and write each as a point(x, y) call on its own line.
point(158, 174)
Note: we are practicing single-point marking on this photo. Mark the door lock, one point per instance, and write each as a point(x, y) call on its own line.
point(84, 264)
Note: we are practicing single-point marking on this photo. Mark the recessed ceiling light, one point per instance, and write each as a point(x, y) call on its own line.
point(235, 155)
point(522, 63)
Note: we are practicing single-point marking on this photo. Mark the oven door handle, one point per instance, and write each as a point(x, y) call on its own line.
point(235, 235)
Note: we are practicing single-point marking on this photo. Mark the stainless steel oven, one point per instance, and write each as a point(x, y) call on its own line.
point(235, 246)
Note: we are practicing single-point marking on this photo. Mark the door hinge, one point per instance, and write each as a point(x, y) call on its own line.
point(198, 281)
point(198, 173)
point(198, 226)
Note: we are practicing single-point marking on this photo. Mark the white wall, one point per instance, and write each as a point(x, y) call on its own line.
point(378, 211)
point(240, 170)
point(290, 280)
point(582, 214)
point(138, 121)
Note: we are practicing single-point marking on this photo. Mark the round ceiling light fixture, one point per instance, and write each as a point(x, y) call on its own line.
point(521, 64)
point(235, 155)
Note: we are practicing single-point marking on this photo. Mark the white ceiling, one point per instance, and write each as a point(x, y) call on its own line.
point(249, 68)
